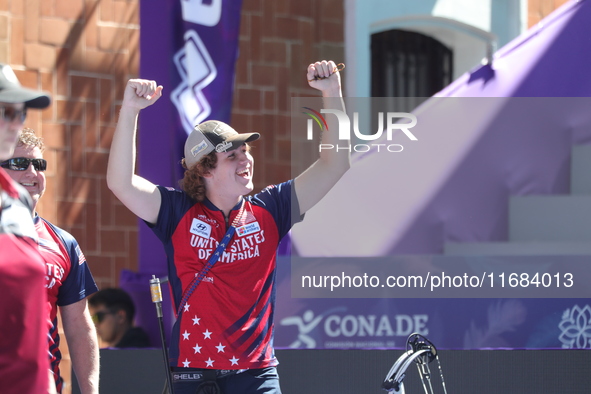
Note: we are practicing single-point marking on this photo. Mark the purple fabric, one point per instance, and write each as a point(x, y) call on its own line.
point(549, 60)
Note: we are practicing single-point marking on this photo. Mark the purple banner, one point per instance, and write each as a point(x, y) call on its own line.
point(453, 323)
point(190, 48)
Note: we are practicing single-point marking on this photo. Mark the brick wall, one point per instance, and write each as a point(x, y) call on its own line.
point(539, 9)
point(81, 52)
point(278, 40)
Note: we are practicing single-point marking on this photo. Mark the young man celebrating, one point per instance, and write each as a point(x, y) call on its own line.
point(224, 331)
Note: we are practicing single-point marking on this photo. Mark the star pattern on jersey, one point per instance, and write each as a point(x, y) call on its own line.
point(234, 360)
point(220, 348)
point(197, 348)
point(209, 362)
point(186, 335)
point(186, 363)
point(196, 320)
point(207, 334)
point(186, 308)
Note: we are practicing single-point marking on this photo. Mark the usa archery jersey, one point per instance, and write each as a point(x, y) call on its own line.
point(227, 323)
point(68, 279)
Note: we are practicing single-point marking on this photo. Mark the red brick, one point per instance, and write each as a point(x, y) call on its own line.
point(133, 48)
point(124, 218)
point(91, 125)
point(71, 9)
point(112, 38)
point(55, 135)
point(70, 110)
point(71, 213)
point(54, 31)
point(38, 56)
point(62, 71)
point(27, 78)
point(106, 136)
point(84, 189)
point(332, 31)
point(17, 8)
point(269, 101)
point(91, 29)
point(46, 8)
point(264, 75)
point(126, 12)
point(32, 20)
point(274, 52)
point(333, 9)
point(249, 99)
point(106, 111)
point(302, 8)
point(106, 11)
point(252, 6)
point(113, 241)
point(101, 266)
point(85, 88)
point(17, 41)
point(287, 28)
point(92, 240)
point(96, 163)
point(77, 148)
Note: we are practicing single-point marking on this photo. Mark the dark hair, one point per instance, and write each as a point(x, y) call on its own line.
point(193, 183)
point(114, 299)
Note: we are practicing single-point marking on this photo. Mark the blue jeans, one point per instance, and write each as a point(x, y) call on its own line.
point(252, 381)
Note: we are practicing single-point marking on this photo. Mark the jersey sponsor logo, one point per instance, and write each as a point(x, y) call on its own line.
point(248, 229)
point(200, 228)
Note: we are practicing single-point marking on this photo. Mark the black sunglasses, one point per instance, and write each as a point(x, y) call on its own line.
point(11, 114)
point(100, 316)
point(22, 163)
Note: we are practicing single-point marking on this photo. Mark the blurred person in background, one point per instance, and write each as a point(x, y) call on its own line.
point(24, 365)
point(113, 312)
point(68, 278)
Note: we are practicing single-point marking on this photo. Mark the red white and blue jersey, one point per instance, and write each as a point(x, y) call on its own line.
point(67, 280)
point(227, 323)
point(23, 331)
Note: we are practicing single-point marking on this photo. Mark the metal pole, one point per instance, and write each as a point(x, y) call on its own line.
point(156, 293)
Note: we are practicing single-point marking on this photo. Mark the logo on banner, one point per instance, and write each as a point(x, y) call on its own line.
point(338, 330)
point(197, 70)
point(575, 328)
point(388, 123)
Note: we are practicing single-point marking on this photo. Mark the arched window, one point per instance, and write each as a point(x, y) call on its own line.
point(408, 64)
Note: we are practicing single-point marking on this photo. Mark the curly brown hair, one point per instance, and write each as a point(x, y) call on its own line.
point(193, 183)
point(28, 138)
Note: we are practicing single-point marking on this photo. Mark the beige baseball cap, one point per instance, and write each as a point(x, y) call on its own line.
point(11, 91)
point(213, 135)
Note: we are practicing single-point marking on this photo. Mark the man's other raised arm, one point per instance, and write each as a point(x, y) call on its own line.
point(138, 194)
point(313, 184)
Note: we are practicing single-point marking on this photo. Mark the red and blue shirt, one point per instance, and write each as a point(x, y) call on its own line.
point(227, 323)
point(67, 280)
point(23, 331)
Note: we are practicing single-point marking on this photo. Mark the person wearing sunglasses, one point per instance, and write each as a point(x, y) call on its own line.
point(221, 243)
point(68, 279)
point(113, 312)
point(24, 365)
